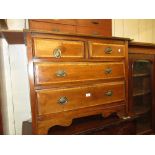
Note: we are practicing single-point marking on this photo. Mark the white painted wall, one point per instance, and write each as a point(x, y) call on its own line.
point(6, 89)
point(14, 87)
point(13, 66)
point(20, 85)
point(142, 30)
point(16, 24)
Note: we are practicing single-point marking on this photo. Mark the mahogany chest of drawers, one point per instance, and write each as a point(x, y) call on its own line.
point(73, 76)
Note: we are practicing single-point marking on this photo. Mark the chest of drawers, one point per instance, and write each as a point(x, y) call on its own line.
point(73, 76)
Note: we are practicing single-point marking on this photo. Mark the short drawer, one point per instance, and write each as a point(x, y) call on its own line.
point(48, 26)
point(58, 49)
point(93, 22)
point(101, 50)
point(60, 73)
point(95, 30)
point(56, 21)
point(59, 100)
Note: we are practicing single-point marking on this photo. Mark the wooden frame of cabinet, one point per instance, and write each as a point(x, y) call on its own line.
point(41, 124)
point(142, 51)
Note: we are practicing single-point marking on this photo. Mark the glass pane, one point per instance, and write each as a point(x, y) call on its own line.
point(142, 97)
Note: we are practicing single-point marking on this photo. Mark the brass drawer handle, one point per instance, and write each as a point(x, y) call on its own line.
point(57, 53)
point(63, 100)
point(108, 50)
point(61, 73)
point(109, 93)
point(108, 71)
point(56, 30)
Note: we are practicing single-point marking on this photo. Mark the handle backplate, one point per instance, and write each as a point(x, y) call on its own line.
point(57, 53)
point(109, 93)
point(108, 50)
point(63, 100)
point(61, 73)
point(108, 71)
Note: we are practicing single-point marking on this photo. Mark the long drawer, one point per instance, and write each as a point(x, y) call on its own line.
point(58, 49)
point(106, 50)
point(59, 100)
point(54, 73)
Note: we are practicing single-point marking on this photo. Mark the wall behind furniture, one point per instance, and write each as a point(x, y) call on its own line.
point(6, 89)
point(142, 30)
point(14, 87)
point(20, 85)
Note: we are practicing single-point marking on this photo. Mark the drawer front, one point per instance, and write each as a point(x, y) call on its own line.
point(57, 21)
point(98, 30)
point(93, 22)
point(47, 26)
point(101, 50)
point(58, 49)
point(59, 100)
point(56, 73)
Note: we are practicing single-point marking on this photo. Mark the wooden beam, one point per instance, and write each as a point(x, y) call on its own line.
point(13, 37)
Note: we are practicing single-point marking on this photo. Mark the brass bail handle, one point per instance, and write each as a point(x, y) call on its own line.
point(108, 50)
point(63, 100)
point(109, 93)
point(57, 52)
point(108, 71)
point(61, 73)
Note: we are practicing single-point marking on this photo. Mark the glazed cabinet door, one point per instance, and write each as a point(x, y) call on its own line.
point(141, 91)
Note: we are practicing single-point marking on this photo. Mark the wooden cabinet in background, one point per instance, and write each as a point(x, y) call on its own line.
point(101, 27)
point(142, 86)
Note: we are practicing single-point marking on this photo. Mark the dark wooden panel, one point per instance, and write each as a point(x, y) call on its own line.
point(3, 24)
point(13, 37)
point(97, 125)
